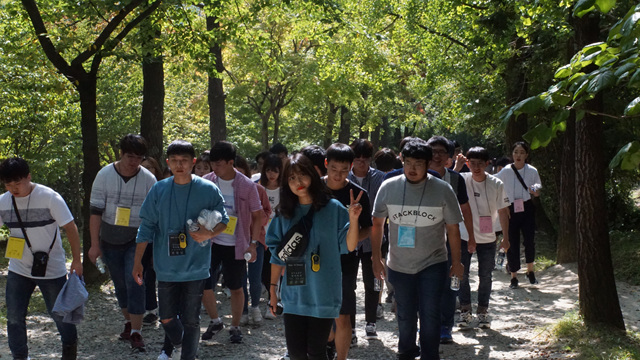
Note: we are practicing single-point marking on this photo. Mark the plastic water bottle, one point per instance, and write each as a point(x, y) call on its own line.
point(455, 283)
point(500, 259)
point(102, 267)
point(193, 227)
point(377, 284)
point(247, 256)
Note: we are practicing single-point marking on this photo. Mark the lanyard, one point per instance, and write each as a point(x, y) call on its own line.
point(404, 193)
point(485, 195)
point(186, 205)
point(135, 184)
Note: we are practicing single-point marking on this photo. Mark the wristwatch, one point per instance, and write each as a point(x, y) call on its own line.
point(254, 242)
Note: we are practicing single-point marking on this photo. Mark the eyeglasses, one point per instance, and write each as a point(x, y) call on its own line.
point(440, 152)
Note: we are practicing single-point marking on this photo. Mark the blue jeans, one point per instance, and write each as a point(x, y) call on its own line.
point(486, 259)
point(255, 280)
point(18, 293)
point(448, 301)
point(419, 293)
point(180, 302)
point(119, 260)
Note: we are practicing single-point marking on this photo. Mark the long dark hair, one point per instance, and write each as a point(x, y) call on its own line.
point(271, 162)
point(300, 164)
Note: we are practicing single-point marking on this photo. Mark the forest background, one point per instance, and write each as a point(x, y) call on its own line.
point(75, 76)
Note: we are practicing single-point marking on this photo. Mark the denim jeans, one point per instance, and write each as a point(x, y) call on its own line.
point(18, 293)
point(119, 260)
point(180, 302)
point(448, 300)
point(419, 293)
point(486, 259)
point(255, 279)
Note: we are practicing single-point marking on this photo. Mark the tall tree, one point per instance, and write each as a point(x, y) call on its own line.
point(217, 112)
point(114, 30)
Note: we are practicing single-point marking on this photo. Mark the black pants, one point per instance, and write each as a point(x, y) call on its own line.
point(524, 222)
point(306, 336)
point(149, 276)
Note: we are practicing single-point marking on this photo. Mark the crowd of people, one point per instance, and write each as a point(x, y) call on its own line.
point(299, 226)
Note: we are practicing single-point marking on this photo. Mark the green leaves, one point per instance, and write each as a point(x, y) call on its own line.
point(628, 158)
point(584, 7)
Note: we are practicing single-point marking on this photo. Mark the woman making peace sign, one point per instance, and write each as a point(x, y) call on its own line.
point(311, 288)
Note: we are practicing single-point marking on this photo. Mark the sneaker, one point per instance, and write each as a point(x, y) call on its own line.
point(465, 319)
point(532, 278)
point(149, 319)
point(445, 335)
point(380, 312)
point(235, 335)
point(370, 331)
point(514, 283)
point(136, 342)
point(484, 322)
point(255, 315)
point(212, 330)
point(286, 356)
point(163, 356)
point(126, 333)
point(69, 352)
point(354, 338)
point(177, 353)
point(268, 315)
point(244, 320)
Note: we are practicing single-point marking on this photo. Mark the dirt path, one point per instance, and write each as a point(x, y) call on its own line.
point(517, 330)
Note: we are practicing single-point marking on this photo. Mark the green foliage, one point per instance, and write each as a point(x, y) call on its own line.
point(572, 335)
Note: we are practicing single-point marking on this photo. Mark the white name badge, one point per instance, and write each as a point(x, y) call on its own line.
point(486, 225)
point(518, 206)
point(407, 237)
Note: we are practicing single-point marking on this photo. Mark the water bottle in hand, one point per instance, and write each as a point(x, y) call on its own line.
point(500, 259)
point(102, 267)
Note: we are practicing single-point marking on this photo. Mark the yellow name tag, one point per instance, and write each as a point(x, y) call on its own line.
point(122, 216)
point(231, 226)
point(15, 248)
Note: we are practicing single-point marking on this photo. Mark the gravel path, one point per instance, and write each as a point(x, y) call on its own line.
point(520, 318)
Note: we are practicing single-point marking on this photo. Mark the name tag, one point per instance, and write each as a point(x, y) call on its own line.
point(231, 226)
point(407, 237)
point(177, 244)
point(296, 271)
point(122, 216)
point(518, 206)
point(15, 248)
point(486, 225)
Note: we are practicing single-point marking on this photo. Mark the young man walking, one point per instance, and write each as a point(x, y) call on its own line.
point(116, 197)
point(489, 203)
point(34, 215)
point(181, 263)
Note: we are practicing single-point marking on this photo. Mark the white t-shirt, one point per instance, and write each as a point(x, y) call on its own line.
point(512, 185)
point(226, 188)
point(42, 213)
point(485, 199)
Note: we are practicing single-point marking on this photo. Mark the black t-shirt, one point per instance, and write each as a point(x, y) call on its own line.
point(343, 196)
point(461, 192)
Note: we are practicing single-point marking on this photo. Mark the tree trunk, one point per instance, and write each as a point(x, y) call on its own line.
point(516, 91)
point(217, 114)
point(375, 138)
point(386, 138)
point(264, 131)
point(345, 125)
point(331, 123)
point(276, 126)
point(152, 116)
point(91, 159)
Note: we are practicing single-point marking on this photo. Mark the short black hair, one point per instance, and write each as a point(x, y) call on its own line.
point(340, 152)
point(404, 141)
point(442, 141)
point(385, 159)
point(503, 161)
point(523, 144)
point(133, 144)
point(13, 169)
point(278, 148)
point(362, 148)
point(262, 155)
point(417, 149)
point(222, 150)
point(317, 155)
point(181, 147)
point(242, 164)
point(478, 152)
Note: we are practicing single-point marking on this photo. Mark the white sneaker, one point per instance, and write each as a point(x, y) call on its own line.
point(465, 319)
point(244, 320)
point(484, 321)
point(268, 315)
point(163, 356)
point(177, 352)
point(255, 315)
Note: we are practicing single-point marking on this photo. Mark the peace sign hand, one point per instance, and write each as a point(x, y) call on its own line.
point(355, 209)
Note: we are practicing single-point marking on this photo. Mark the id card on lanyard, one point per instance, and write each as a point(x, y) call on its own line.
point(15, 248)
point(407, 236)
point(518, 206)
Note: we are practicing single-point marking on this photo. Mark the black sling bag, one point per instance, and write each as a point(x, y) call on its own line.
point(294, 243)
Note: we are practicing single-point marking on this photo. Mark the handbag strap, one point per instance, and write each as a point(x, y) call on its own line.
point(24, 232)
point(519, 177)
